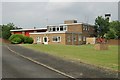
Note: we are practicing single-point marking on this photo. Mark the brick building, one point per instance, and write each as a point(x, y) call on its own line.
point(27, 31)
point(69, 33)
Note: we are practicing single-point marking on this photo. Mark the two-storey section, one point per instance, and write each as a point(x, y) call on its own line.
point(69, 33)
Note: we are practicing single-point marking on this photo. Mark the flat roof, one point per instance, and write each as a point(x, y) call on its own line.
point(58, 32)
point(71, 24)
point(28, 29)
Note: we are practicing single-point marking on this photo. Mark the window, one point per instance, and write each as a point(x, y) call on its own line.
point(68, 39)
point(79, 38)
point(54, 29)
point(57, 28)
point(88, 28)
point(56, 39)
point(65, 28)
point(51, 29)
point(85, 27)
point(38, 39)
point(74, 38)
point(61, 28)
point(84, 38)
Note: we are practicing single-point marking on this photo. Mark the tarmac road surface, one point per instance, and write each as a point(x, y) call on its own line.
point(14, 66)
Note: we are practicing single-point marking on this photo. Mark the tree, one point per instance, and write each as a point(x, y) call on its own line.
point(0, 31)
point(101, 26)
point(5, 30)
point(115, 28)
point(111, 34)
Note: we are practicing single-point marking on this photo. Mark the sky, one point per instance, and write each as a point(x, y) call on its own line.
point(40, 14)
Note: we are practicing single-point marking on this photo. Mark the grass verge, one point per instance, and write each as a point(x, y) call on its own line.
point(84, 53)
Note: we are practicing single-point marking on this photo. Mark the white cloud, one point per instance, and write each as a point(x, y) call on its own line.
point(59, 0)
point(39, 14)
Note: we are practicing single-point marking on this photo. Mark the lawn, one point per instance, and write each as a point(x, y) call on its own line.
point(84, 53)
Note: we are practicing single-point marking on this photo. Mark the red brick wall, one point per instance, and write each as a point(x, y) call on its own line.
point(18, 32)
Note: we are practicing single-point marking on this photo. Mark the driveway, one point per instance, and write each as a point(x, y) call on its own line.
point(14, 66)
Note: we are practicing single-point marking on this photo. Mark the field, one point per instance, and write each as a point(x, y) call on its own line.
point(84, 53)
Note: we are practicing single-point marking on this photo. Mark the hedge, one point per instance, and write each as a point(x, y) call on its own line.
point(16, 40)
point(16, 35)
point(28, 40)
point(19, 38)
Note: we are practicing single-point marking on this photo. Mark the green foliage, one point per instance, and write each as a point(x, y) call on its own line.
point(0, 31)
point(16, 35)
point(115, 26)
point(5, 30)
point(104, 28)
point(24, 39)
point(28, 40)
point(16, 40)
point(111, 35)
point(101, 26)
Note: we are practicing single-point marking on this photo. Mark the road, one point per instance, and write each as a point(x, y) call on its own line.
point(15, 66)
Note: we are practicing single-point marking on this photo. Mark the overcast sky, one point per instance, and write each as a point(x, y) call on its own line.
point(40, 14)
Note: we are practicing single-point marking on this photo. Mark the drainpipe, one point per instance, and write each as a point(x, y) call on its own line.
point(72, 39)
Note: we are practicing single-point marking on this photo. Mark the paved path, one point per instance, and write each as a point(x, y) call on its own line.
point(70, 68)
point(14, 66)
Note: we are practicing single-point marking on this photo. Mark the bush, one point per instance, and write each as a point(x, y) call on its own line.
point(19, 38)
point(16, 36)
point(28, 40)
point(110, 35)
point(16, 40)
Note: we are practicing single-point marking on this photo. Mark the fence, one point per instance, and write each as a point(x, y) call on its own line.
point(113, 42)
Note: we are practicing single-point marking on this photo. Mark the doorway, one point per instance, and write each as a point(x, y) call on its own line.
point(45, 40)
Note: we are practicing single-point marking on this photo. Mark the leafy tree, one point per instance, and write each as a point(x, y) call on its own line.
point(5, 30)
point(0, 31)
point(115, 26)
point(101, 26)
point(106, 29)
point(111, 34)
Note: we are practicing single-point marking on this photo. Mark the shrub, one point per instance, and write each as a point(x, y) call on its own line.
point(16, 40)
point(19, 38)
point(28, 40)
point(16, 36)
point(110, 35)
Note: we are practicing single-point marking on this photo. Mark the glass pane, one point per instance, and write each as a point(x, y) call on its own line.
point(45, 39)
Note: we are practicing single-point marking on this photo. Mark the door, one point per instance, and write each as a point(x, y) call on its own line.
point(45, 40)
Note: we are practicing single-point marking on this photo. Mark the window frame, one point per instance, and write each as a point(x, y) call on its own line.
point(74, 38)
point(57, 40)
point(80, 38)
point(38, 39)
point(69, 38)
point(84, 38)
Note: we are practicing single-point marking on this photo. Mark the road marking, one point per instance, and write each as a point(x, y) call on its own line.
point(39, 63)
